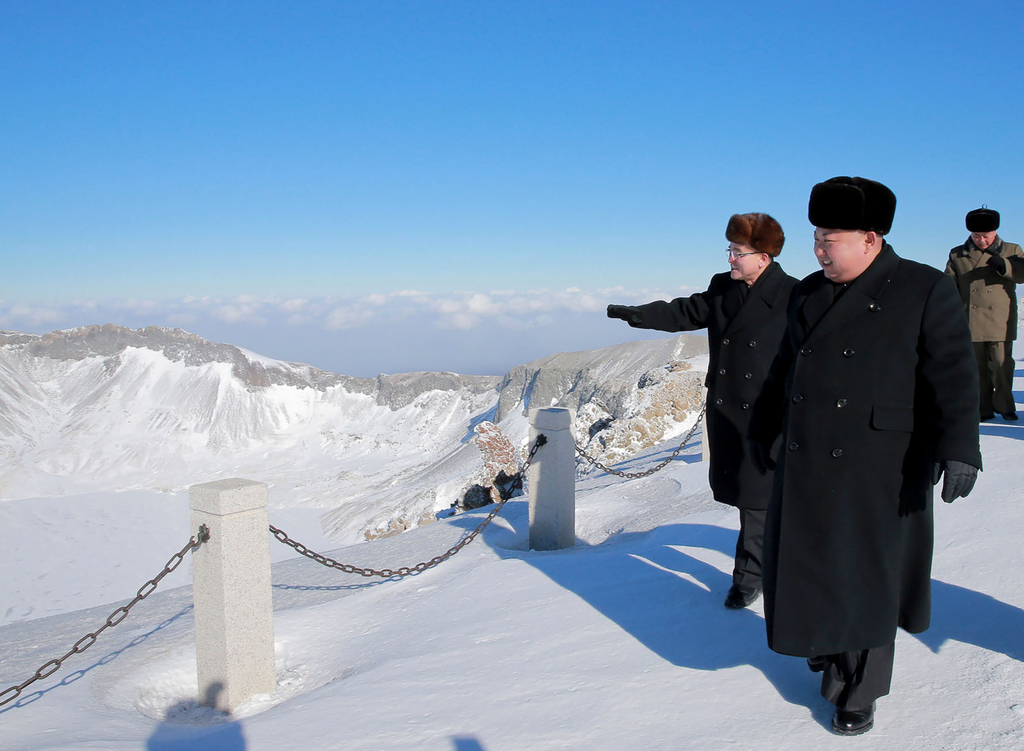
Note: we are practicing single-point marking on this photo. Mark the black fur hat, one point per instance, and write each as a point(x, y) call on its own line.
point(982, 220)
point(852, 203)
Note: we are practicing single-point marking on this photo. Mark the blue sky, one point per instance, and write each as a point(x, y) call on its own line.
point(384, 186)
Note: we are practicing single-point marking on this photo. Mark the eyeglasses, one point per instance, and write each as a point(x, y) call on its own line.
point(733, 254)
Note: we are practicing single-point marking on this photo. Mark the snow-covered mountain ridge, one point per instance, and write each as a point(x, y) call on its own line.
point(104, 408)
point(254, 370)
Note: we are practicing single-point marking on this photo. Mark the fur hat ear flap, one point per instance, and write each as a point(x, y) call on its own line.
point(982, 220)
point(852, 203)
point(760, 231)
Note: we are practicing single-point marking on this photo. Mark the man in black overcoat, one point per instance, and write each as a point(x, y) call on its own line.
point(744, 312)
point(875, 396)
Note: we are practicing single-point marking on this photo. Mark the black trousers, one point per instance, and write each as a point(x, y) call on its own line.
point(853, 680)
point(746, 570)
point(995, 373)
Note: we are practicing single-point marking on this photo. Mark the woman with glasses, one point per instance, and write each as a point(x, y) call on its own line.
point(744, 312)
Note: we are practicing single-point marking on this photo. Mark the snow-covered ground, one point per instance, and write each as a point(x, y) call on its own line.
point(619, 643)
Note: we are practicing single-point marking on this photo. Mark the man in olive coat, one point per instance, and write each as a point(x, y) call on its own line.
point(987, 272)
point(744, 312)
point(874, 393)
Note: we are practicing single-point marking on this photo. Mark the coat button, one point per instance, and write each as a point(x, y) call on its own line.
point(797, 398)
point(751, 344)
point(841, 403)
point(748, 376)
point(718, 402)
point(746, 405)
point(848, 352)
point(874, 307)
point(805, 351)
point(721, 371)
point(837, 453)
point(794, 446)
point(725, 342)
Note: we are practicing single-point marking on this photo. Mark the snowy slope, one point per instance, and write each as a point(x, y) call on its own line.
point(106, 408)
point(618, 643)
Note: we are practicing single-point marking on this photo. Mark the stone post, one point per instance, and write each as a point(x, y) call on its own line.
point(553, 481)
point(231, 588)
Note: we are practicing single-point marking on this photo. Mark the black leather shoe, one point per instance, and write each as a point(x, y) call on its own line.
point(853, 722)
point(1010, 416)
point(741, 597)
point(816, 664)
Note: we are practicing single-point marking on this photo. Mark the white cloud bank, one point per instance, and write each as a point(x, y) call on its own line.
point(468, 331)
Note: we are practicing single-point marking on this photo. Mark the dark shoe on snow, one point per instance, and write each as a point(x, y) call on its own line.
point(741, 597)
point(853, 722)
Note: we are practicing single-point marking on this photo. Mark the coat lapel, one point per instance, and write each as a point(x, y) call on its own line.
point(732, 300)
point(976, 257)
point(762, 297)
point(862, 295)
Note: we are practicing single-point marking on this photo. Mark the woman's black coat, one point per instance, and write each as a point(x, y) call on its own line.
point(744, 332)
point(867, 394)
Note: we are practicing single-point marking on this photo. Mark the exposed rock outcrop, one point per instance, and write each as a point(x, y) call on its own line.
point(500, 467)
point(608, 376)
point(666, 398)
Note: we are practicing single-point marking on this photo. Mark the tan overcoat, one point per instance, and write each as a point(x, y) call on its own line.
point(989, 297)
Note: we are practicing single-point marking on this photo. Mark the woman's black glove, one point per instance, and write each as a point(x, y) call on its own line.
point(627, 313)
point(958, 481)
point(998, 263)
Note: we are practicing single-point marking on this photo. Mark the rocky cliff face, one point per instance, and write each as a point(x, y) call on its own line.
point(627, 398)
point(607, 376)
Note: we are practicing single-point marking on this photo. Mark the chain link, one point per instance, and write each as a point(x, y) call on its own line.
point(13, 692)
point(652, 470)
point(505, 492)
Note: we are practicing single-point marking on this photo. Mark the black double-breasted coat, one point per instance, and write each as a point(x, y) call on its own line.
point(866, 393)
point(744, 327)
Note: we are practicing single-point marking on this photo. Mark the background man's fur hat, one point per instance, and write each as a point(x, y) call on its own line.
point(759, 231)
point(852, 203)
point(982, 220)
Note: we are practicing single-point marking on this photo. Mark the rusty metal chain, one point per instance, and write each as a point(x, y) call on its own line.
point(387, 573)
point(13, 692)
point(652, 470)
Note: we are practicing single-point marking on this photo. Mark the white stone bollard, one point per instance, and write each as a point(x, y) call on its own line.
point(232, 592)
point(552, 481)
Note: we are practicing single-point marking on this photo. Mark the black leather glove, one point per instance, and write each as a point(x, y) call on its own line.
point(958, 481)
point(761, 456)
point(627, 313)
point(997, 262)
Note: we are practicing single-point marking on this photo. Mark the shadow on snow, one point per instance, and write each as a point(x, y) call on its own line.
point(671, 602)
point(178, 732)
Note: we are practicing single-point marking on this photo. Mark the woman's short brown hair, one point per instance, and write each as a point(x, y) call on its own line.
point(759, 231)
